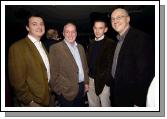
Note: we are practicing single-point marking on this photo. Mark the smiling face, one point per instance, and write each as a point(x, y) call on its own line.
point(36, 27)
point(70, 32)
point(99, 29)
point(120, 20)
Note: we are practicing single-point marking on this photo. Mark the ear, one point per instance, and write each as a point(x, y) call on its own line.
point(128, 19)
point(93, 27)
point(63, 33)
point(106, 29)
point(27, 28)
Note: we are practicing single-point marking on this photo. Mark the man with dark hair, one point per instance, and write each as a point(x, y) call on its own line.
point(100, 53)
point(29, 70)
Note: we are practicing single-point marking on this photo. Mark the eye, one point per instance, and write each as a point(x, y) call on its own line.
point(34, 24)
point(118, 18)
point(42, 24)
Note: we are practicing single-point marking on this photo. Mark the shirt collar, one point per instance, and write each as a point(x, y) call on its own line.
point(122, 37)
point(70, 44)
point(99, 39)
point(34, 40)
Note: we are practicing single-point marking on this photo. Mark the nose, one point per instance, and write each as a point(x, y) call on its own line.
point(39, 26)
point(97, 30)
point(70, 33)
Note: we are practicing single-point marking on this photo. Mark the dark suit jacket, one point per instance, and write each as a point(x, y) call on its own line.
point(64, 70)
point(135, 70)
point(27, 73)
point(102, 62)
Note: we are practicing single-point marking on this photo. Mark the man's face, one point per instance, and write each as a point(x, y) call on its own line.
point(36, 27)
point(70, 33)
point(99, 29)
point(119, 20)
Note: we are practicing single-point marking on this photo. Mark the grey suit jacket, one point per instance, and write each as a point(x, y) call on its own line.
point(27, 73)
point(64, 70)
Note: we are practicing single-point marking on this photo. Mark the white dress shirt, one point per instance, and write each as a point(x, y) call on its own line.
point(42, 52)
point(74, 50)
point(99, 39)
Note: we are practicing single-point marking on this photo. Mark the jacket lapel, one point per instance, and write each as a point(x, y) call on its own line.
point(125, 44)
point(69, 54)
point(45, 50)
point(35, 53)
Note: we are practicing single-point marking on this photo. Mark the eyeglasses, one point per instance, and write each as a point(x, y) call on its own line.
point(117, 18)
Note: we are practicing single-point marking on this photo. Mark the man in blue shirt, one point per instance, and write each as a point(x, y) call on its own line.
point(69, 71)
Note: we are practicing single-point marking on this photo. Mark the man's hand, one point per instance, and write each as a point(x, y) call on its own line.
point(86, 88)
point(34, 104)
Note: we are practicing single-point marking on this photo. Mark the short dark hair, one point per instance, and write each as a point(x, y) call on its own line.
point(32, 15)
point(101, 20)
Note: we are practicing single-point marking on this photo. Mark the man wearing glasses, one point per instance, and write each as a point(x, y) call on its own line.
point(133, 63)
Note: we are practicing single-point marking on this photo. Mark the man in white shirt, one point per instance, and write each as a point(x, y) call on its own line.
point(29, 70)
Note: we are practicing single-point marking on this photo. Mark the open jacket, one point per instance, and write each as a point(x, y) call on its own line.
point(103, 63)
point(64, 70)
point(27, 73)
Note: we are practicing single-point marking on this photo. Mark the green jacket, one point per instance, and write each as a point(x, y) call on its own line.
point(27, 73)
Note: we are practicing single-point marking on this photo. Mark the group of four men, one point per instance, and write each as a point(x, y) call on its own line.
point(111, 74)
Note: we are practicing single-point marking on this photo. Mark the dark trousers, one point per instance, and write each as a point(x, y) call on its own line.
point(77, 102)
point(121, 95)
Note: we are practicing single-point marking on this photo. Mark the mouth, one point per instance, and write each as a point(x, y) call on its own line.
point(70, 38)
point(39, 31)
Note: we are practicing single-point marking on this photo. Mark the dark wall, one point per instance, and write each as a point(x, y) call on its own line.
point(142, 17)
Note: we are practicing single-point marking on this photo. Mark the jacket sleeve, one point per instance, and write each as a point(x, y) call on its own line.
point(54, 70)
point(145, 68)
point(86, 69)
point(18, 74)
point(110, 56)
